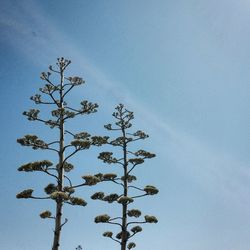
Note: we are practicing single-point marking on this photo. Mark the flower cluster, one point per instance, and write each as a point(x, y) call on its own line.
point(125, 200)
point(75, 80)
point(107, 234)
point(82, 136)
point(136, 229)
point(32, 140)
point(108, 126)
point(144, 154)
point(119, 141)
point(90, 180)
point(111, 198)
point(69, 190)
point(150, 219)
point(36, 166)
point(99, 140)
point(25, 194)
point(131, 245)
point(140, 134)
point(77, 201)
point(58, 195)
point(102, 218)
point(32, 114)
point(151, 190)
point(48, 89)
point(88, 107)
point(109, 176)
point(62, 63)
point(52, 123)
point(36, 98)
point(98, 196)
point(45, 214)
point(134, 213)
point(61, 112)
point(136, 161)
point(119, 235)
point(130, 178)
point(107, 157)
point(67, 166)
point(81, 144)
point(50, 188)
point(45, 75)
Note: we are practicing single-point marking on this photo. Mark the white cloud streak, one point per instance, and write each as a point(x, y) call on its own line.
point(39, 40)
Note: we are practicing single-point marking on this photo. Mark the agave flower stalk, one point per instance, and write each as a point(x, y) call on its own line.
point(129, 160)
point(61, 191)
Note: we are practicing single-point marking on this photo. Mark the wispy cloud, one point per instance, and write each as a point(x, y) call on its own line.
point(214, 171)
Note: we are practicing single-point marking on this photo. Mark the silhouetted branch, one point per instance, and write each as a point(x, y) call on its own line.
point(138, 196)
point(140, 189)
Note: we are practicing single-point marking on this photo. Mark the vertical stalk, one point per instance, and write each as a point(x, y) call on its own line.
point(60, 170)
point(125, 193)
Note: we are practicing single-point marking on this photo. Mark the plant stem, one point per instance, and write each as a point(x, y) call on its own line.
point(125, 193)
point(59, 202)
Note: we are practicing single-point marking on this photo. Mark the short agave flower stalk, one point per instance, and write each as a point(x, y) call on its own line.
point(61, 190)
point(128, 221)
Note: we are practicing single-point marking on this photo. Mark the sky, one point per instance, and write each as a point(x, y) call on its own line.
point(183, 67)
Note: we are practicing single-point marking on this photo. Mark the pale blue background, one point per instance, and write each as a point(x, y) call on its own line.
point(183, 67)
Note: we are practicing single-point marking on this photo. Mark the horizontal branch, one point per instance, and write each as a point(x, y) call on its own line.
point(39, 198)
point(68, 117)
point(51, 217)
point(47, 122)
point(69, 203)
point(138, 222)
point(51, 143)
point(80, 185)
point(114, 180)
point(133, 140)
point(138, 196)
point(72, 109)
point(136, 188)
point(42, 102)
point(116, 218)
point(114, 223)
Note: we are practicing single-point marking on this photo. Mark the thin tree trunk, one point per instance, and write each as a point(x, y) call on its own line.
point(59, 204)
point(125, 193)
point(57, 232)
point(124, 222)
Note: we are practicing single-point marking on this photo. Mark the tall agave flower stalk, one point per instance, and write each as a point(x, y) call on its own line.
point(127, 221)
point(61, 190)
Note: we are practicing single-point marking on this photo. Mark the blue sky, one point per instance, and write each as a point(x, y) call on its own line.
point(183, 67)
